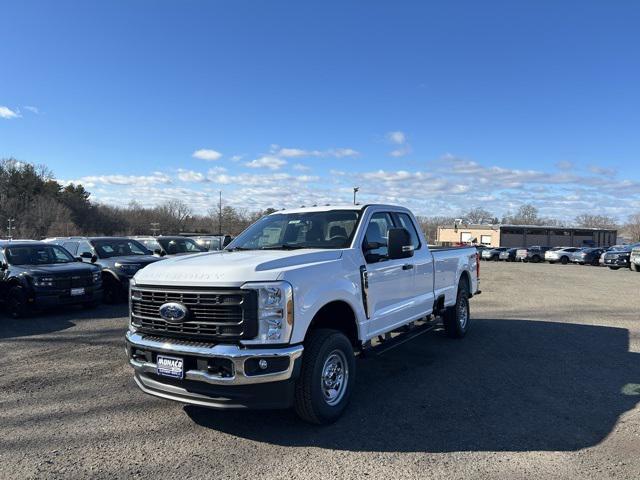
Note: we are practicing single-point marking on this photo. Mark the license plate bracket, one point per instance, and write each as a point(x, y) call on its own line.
point(172, 367)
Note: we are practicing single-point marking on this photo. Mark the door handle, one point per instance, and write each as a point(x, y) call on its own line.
point(407, 266)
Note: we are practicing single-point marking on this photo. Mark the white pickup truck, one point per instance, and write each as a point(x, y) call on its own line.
point(277, 318)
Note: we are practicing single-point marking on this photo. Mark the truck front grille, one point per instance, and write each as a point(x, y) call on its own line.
point(220, 314)
point(73, 281)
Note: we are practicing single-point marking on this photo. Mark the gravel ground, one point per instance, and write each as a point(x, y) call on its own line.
point(546, 385)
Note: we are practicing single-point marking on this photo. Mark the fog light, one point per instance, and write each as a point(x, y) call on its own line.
point(263, 364)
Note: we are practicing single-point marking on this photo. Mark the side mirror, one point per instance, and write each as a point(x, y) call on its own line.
point(227, 241)
point(159, 252)
point(79, 259)
point(3, 266)
point(400, 245)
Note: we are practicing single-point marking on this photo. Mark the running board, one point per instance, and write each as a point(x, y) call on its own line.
point(398, 337)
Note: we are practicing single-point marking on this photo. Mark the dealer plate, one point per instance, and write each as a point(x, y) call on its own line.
point(170, 366)
point(77, 291)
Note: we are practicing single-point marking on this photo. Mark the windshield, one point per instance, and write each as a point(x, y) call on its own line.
point(180, 245)
point(329, 229)
point(37, 255)
point(119, 247)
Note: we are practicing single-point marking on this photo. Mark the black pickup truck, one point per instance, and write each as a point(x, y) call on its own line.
point(119, 258)
point(35, 275)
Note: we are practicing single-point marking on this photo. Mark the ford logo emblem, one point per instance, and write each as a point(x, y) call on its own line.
point(173, 312)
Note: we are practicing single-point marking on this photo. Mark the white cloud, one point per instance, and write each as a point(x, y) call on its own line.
point(32, 109)
point(236, 158)
point(299, 152)
point(207, 155)
point(301, 168)
point(120, 180)
point(399, 139)
point(190, 176)
point(7, 113)
point(267, 161)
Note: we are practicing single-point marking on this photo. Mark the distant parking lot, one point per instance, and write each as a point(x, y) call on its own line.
point(547, 383)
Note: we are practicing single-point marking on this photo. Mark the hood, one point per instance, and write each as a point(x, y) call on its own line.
point(132, 259)
point(223, 268)
point(59, 270)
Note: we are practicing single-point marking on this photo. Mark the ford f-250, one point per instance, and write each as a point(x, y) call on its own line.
point(276, 319)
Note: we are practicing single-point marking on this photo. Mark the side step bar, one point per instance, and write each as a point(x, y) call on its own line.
point(394, 339)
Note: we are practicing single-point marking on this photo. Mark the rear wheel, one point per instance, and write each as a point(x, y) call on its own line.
point(564, 260)
point(456, 319)
point(535, 259)
point(328, 371)
point(17, 302)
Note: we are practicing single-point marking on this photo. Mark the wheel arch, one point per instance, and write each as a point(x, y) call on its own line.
point(337, 315)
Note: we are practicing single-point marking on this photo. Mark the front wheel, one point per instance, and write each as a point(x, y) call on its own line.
point(17, 303)
point(456, 319)
point(326, 380)
point(564, 260)
point(634, 267)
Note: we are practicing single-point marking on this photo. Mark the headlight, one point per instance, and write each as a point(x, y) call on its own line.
point(43, 281)
point(127, 268)
point(275, 311)
point(97, 277)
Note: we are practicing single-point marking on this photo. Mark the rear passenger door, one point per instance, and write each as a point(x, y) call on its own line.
point(390, 282)
point(422, 262)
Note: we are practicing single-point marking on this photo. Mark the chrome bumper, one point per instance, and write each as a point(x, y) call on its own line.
point(234, 353)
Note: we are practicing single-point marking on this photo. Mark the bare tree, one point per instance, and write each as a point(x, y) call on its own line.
point(632, 227)
point(595, 221)
point(478, 215)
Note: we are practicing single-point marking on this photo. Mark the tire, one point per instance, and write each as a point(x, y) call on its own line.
point(536, 259)
point(564, 260)
point(634, 267)
point(313, 403)
point(456, 319)
point(112, 290)
point(17, 304)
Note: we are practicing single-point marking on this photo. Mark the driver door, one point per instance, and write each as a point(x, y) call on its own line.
point(391, 282)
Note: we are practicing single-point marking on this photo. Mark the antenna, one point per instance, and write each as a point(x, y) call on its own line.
point(355, 190)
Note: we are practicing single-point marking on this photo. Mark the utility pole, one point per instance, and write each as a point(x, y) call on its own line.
point(355, 190)
point(220, 214)
point(10, 228)
point(155, 228)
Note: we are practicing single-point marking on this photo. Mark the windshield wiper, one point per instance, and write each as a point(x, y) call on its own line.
point(236, 249)
point(283, 246)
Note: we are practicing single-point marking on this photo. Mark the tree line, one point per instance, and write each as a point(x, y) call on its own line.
point(34, 205)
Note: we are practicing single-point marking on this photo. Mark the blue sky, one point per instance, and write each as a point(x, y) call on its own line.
point(441, 106)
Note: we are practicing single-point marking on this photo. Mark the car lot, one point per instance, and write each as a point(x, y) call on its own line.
point(546, 384)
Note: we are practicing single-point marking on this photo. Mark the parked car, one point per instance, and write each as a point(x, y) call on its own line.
point(35, 275)
point(534, 254)
point(118, 257)
point(587, 256)
point(562, 255)
point(508, 255)
point(549, 253)
point(619, 257)
point(634, 260)
point(171, 245)
point(280, 312)
point(212, 242)
point(492, 253)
